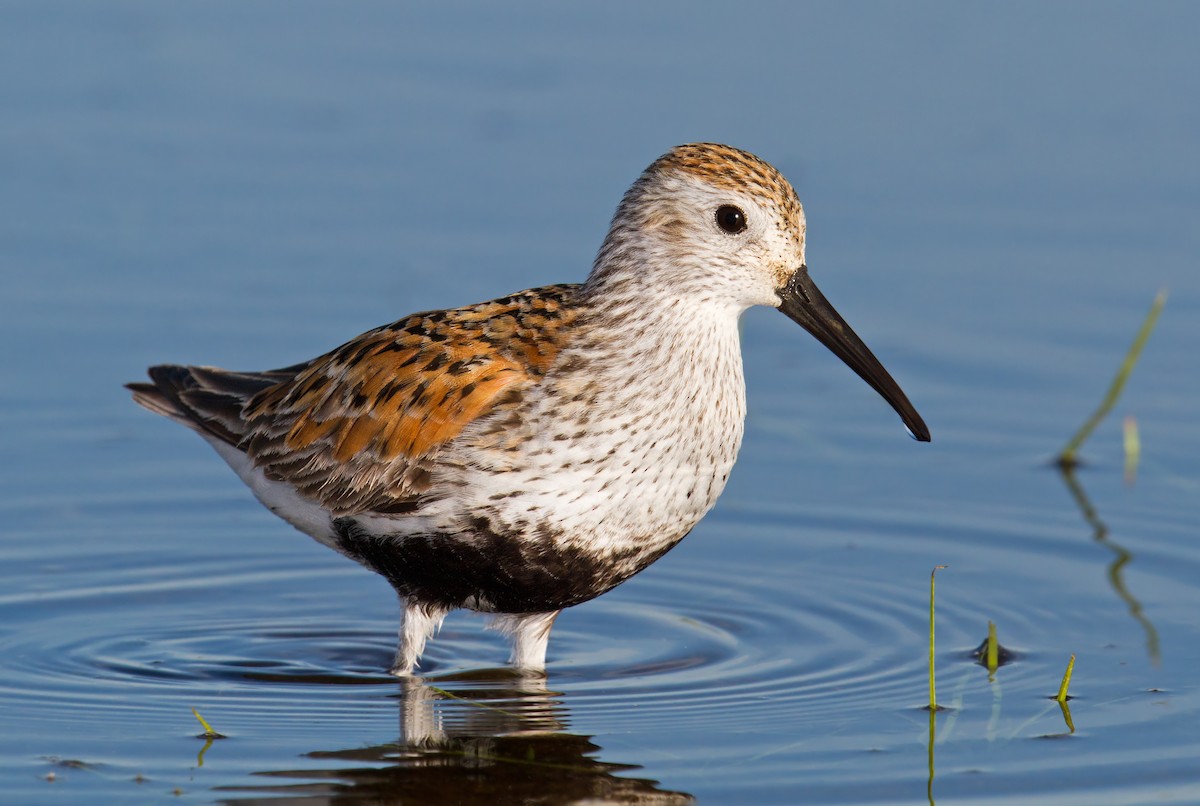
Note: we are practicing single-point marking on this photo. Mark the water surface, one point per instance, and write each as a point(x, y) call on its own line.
point(993, 195)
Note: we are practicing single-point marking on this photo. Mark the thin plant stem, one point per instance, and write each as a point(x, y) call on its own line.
point(209, 733)
point(933, 706)
point(1066, 681)
point(993, 649)
point(1133, 449)
point(1070, 453)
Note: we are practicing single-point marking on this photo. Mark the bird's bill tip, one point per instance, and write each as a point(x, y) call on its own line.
point(803, 303)
point(920, 436)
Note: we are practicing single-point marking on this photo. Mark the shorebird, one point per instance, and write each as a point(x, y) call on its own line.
point(523, 455)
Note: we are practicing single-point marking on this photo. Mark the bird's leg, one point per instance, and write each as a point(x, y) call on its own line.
point(530, 632)
point(420, 622)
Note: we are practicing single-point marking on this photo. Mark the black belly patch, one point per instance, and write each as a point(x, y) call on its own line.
point(485, 570)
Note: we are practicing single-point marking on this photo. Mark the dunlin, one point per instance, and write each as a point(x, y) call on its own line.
point(529, 453)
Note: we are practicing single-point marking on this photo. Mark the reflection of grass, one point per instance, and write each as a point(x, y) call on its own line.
point(208, 736)
point(1069, 457)
point(1066, 712)
point(1068, 460)
point(471, 703)
point(1062, 695)
point(932, 736)
point(1115, 578)
point(933, 706)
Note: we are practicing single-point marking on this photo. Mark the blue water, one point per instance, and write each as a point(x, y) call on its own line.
point(994, 196)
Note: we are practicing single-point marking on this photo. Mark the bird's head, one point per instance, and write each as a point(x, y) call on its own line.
point(708, 224)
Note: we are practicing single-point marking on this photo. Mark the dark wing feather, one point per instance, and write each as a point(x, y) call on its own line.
point(207, 399)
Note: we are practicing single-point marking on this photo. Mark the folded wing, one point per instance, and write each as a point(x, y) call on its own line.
point(358, 428)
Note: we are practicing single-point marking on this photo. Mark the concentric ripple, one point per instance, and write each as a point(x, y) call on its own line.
point(793, 635)
point(825, 634)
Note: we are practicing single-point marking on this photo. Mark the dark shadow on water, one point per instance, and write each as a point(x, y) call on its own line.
point(488, 737)
point(1117, 566)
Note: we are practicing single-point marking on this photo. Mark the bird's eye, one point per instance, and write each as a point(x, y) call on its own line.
point(731, 219)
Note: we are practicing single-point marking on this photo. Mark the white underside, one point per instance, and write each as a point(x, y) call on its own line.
point(529, 633)
point(282, 499)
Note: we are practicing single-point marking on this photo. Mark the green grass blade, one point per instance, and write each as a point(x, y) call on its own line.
point(1133, 449)
point(933, 706)
point(1066, 681)
point(209, 733)
point(1070, 453)
point(993, 649)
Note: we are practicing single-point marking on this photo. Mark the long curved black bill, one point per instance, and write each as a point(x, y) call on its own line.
point(806, 305)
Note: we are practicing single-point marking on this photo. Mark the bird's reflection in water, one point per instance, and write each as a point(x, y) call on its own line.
point(491, 736)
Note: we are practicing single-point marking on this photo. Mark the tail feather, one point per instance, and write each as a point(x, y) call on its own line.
point(206, 399)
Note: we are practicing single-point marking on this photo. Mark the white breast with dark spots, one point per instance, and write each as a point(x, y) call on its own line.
point(626, 444)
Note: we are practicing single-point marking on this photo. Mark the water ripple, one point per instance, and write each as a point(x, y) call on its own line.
point(831, 636)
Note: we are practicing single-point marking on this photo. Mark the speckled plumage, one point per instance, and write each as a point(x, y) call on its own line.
point(529, 453)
